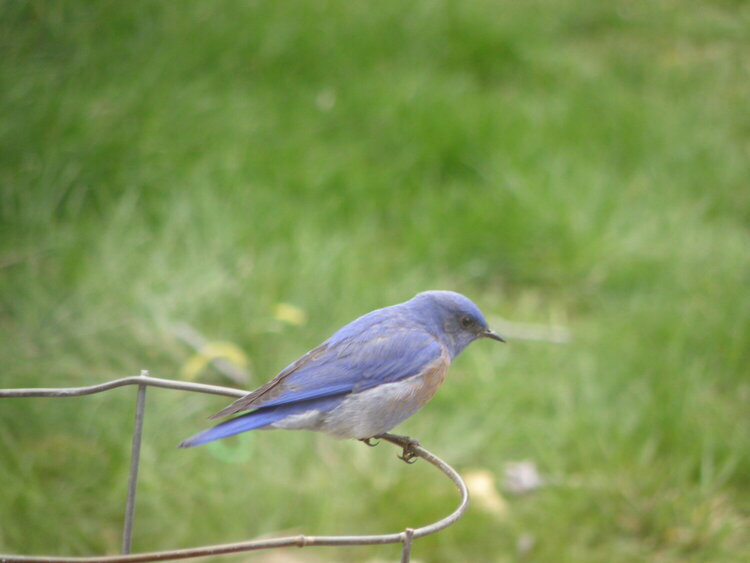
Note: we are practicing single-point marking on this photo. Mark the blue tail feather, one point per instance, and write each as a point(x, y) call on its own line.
point(243, 423)
point(259, 419)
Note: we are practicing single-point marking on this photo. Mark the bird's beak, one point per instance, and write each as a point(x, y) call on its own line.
point(492, 334)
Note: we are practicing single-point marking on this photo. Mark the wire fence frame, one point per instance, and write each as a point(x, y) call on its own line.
point(143, 381)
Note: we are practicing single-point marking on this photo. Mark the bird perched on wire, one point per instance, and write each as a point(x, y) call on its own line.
point(368, 377)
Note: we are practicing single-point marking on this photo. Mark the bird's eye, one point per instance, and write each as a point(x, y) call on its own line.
point(467, 321)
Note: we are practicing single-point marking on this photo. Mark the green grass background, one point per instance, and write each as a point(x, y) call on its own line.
point(576, 163)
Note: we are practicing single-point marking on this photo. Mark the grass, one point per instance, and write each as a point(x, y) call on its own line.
point(561, 163)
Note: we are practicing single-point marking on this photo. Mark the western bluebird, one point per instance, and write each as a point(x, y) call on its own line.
point(371, 375)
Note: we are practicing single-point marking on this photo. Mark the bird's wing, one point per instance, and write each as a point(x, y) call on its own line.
point(352, 360)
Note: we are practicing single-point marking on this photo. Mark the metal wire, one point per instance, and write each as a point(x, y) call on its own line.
point(144, 380)
point(135, 459)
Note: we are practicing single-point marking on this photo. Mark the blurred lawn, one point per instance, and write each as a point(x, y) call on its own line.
point(575, 163)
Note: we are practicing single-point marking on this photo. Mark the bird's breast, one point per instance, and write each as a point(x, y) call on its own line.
point(378, 409)
point(421, 388)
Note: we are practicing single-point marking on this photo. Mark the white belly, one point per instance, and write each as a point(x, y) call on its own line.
point(377, 410)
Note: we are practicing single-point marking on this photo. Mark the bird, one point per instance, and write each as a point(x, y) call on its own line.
point(368, 377)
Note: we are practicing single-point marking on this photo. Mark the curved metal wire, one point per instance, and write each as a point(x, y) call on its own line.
point(143, 381)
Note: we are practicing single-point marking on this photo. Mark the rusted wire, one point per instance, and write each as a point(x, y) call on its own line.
point(405, 537)
point(133, 380)
point(135, 460)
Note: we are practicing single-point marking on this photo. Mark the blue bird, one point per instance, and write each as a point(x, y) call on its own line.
point(368, 377)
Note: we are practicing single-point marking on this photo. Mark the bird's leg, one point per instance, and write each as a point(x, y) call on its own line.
point(409, 454)
point(369, 441)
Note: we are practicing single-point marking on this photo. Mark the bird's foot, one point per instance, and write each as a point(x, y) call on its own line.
point(369, 441)
point(409, 454)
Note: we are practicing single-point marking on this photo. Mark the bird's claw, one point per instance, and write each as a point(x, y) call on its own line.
point(409, 454)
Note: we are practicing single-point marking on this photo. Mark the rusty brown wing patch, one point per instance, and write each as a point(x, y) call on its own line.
point(272, 389)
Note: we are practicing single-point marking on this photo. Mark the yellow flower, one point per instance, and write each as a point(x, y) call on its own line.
point(211, 351)
point(289, 314)
point(481, 484)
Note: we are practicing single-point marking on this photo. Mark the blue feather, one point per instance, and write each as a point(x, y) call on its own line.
point(367, 362)
point(259, 419)
point(307, 394)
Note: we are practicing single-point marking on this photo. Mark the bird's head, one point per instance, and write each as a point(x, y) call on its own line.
point(455, 319)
